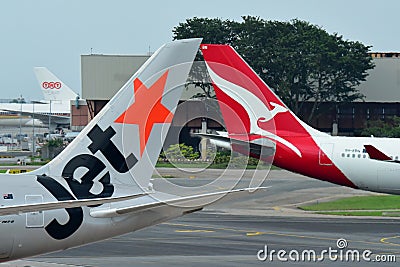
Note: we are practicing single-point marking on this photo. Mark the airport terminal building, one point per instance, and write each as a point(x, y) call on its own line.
point(104, 75)
point(382, 99)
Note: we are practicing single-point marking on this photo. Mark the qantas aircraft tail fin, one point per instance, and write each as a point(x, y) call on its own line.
point(52, 87)
point(122, 143)
point(249, 107)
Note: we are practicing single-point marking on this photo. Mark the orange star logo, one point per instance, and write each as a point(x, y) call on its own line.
point(147, 109)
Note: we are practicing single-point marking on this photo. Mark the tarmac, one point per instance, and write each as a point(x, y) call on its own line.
point(233, 233)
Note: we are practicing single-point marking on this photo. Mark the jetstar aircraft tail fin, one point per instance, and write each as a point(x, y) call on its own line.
point(122, 143)
point(52, 87)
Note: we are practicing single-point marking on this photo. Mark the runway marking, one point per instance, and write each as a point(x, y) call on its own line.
point(221, 188)
point(130, 240)
point(274, 233)
point(194, 231)
point(255, 233)
point(384, 240)
point(218, 187)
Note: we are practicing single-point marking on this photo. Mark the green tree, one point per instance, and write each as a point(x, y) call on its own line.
point(390, 128)
point(56, 142)
point(300, 61)
point(215, 31)
point(198, 77)
point(18, 100)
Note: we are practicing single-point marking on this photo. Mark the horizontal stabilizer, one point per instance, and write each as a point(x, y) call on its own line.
point(376, 154)
point(35, 207)
point(190, 202)
point(253, 149)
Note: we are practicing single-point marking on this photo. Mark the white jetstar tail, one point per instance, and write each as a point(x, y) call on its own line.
point(98, 187)
point(124, 140)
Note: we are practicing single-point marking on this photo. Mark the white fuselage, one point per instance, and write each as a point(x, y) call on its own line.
point(25, 234)
point(22, 121)
point(56, 108)
point(39, 114)
point(350, 157)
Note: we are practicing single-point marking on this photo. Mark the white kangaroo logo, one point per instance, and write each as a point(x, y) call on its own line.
point(277, 109)
point(255, 108)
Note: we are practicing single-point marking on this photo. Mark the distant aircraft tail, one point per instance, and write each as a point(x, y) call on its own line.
point(122, 143)
point(52, 87)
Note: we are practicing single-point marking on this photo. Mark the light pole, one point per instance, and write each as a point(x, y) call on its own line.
point(33, 130)
point(20, 123)
point(49, 121)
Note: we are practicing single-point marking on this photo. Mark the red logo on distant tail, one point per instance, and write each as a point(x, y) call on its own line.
point(51, 85)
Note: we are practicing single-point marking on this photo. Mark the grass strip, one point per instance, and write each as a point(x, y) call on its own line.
point(381, 202)
point(362, 213)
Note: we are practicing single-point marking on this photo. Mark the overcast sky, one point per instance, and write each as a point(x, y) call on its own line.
point(54, 33)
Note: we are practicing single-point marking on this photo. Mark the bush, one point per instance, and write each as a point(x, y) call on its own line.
point(52, 148)
point(379, 128)
point(180, 152)
point(222, 157)
point(57, 142)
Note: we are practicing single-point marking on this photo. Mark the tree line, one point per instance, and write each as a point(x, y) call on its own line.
point(300, 61)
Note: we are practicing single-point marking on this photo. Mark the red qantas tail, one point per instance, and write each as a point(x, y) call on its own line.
point(245, 98)
point(251, 111)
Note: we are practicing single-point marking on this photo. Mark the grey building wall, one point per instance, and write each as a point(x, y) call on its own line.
point(383, 82)
point(103, 75)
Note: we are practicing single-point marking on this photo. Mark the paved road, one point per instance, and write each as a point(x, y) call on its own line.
point(209, 239)
point(231, 234)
